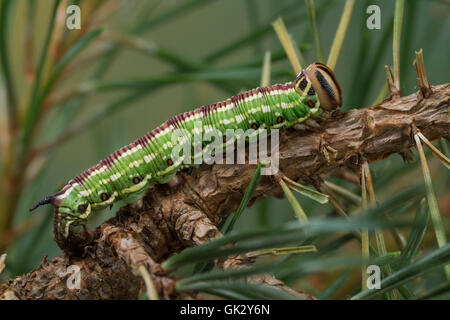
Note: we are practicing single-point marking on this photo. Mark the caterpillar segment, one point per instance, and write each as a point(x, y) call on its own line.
point(129, 172)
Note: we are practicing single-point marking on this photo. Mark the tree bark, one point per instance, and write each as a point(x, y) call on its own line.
point(186, 212)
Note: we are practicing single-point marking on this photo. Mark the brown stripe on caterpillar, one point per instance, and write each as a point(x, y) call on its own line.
point(288, 86)
point(156, 131)
point(324, 84)
point(55, 199)
point(324, 68)
point(217, 105)
point(164, 126)
point(173, 122)
point(259, 90)
point(78, 180)
point(110, 160)
point(197, 111)
point(234, 101)
point(179, 118)
point(278, 87)
point(106, 162)
point(240, 97)
point(205, 110)
point(149, 136)
point(141, 141)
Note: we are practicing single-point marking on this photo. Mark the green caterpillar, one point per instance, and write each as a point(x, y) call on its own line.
point(129, 172)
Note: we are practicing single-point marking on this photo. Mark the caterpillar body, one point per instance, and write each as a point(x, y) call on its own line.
point(129, 172)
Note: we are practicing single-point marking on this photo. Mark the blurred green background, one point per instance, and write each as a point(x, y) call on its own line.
point(227, 39)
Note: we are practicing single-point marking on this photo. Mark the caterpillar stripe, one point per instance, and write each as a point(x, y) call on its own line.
point(129, 172)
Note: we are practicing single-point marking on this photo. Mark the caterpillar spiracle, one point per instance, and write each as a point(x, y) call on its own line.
point(129, 172)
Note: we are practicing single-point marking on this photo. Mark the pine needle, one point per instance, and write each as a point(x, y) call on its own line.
point(265, 74)
point(301, 215)
point(364, 234)
point(432, 202)
point(340, 34)
point(348, 195)
point(2, 262)
point(442, 158)
point(287, 44)
point(379, 236)
point(398, 20)
point(315, 32)
point(307, 192)
point(151, 290)
point(283, 251)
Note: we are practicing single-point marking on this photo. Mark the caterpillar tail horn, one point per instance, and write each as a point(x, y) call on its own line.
point(46, 200)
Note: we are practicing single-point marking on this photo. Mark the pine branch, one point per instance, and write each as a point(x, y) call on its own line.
point(187, 211)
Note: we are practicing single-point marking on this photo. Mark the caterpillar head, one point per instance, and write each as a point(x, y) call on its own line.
point(69, 222)
point(318, 79)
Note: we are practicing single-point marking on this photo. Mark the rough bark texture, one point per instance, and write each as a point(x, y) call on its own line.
point(186, 212)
